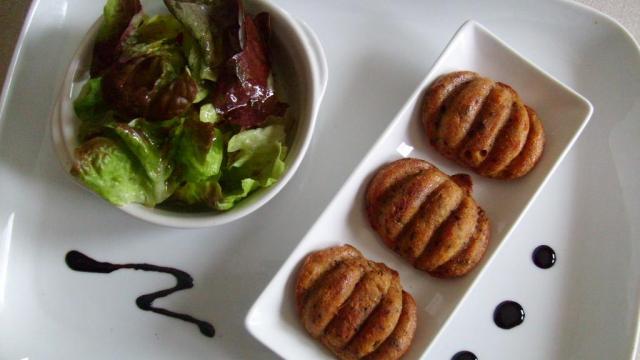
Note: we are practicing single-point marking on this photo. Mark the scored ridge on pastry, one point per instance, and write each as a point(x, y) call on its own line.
point(482, 124)
point(428, 217)
point(354, 306)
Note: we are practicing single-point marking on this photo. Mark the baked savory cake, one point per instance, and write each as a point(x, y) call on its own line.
point(354, 306)
point(482, 124)
point(428, 217)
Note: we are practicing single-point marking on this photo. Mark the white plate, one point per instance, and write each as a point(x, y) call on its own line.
point(585, 307)
point(564, 113)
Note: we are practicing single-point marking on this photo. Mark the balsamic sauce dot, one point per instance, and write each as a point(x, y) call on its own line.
point(508, 314)
point(544, 257)
point(464, 355)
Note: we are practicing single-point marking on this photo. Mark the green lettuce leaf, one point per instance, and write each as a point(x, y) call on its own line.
point(227, 200)
point(156, 166)
point(93, 112)
point(105, 167)
point(199, 151)
point(159, 133)
point(99, 126)
point(156, 28)
point(198, 193)
point(257, 154)
point(157, 36)
point(208, 114)
point(90, 105)
point(200, 68)
point(209, 193)
point(195, 18)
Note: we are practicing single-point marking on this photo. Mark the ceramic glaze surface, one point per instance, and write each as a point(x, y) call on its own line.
point(378, 52)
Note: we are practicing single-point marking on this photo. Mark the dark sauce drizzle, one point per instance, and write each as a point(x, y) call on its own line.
point(464, 355)
point(81, 262)
point(544, 257)
point(508, 314)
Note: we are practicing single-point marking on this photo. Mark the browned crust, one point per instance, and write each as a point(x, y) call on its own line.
point(452, 236)
point(355, 310)
point(317, 264)
point(532, 151)
point(333, 289)
point(354, 306)
point(435, 211)
point(460, 115)
point(482, 124)
point(400, 339)
point(378, 326)
point(436, 95)
point(509, 142)
point(464, 181)
point(467, 259)
point(445, 232)
point(404, 201)
point(492, 118)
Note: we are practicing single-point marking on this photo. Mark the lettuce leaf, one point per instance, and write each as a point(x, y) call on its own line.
point(105, 167)
point(150, 79)
point(120, 19)
point(156, 28)
point(208, 114)
point(149, 86)
point(198, 65)
point(198, 193)
point(199, 151)
point(98, 126)
point(244, 94)
point(90, 105)
point(228, 200)
point(160, 35)
point(195, 17)
point(210, 194)
point(92, 110)
point(255, 160)
point(156, 166)
point(258, 154)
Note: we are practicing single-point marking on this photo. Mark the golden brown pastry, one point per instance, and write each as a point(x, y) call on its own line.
point(483, 125)
point(354, 306)
point(428, 217)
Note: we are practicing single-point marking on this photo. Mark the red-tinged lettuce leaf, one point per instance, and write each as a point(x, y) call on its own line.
point(243, 95)
point(173, 99)
point(148, 86)
point(129, 87)
point(120, 18)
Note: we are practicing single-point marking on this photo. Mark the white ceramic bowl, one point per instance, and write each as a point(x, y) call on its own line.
point(301, 68)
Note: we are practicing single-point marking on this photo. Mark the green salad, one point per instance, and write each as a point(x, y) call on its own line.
point(180, 110)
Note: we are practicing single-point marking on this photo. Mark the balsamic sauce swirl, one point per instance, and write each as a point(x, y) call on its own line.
point(80, 262)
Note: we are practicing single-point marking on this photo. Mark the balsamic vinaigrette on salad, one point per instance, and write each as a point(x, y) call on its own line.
point(181, 110)
point(80, 262)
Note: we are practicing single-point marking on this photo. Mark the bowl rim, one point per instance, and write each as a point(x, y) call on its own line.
point(314, 66)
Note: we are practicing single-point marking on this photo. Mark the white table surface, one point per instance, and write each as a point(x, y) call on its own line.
point(12, 13)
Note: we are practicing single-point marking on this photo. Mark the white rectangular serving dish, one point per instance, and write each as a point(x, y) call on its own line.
point(564, 113)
